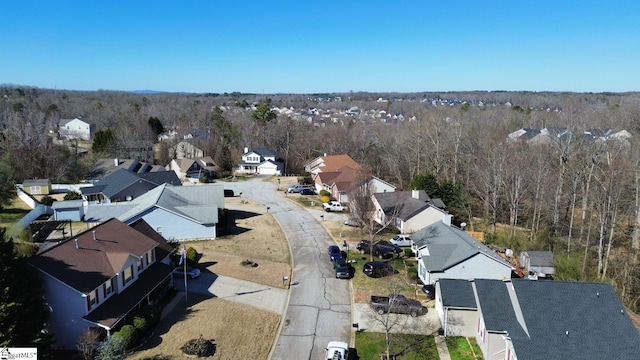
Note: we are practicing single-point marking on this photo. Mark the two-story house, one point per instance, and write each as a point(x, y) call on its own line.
point(194, 168)
point(408, 211)
point(98, 277)
point(260, 161)
point(76, 129)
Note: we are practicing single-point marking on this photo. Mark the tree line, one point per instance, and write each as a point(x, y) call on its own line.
point(576, 196)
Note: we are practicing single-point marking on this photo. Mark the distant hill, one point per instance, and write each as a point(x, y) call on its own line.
point(148, 92)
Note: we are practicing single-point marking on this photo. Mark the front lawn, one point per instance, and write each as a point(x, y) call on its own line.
point(12, 213)
point(404, 346)
point(459, 348)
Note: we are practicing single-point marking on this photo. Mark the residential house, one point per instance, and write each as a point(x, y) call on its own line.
point(260, 161)
point(409, 211)
point(447, 252)
point(194, 168)
point(37, 186)
point(339, 183)
point(185, 149)
point(539, 263)
point(76, 129)
point(524, 319)
point(178, 213)
point(97, 278)
point(330, 163)
point(377, 185)
point(125, 185)
point(104, 167)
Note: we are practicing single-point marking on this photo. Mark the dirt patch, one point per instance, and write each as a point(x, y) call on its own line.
point(239, 331)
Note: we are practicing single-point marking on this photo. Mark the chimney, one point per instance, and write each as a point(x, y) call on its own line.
point(94, 236)
point(415, 194)
point(77, 246)
point(246, 150)
point(116, 161)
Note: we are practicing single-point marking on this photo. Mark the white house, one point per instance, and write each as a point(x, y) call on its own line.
point(75, 129)
point(447, 252)
point(260, 161)
point(410, 210)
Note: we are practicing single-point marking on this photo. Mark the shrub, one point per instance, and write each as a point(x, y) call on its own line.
point(72, 195)
point(128, 334)
point(111, 349)
point(192, 255)
point(47, 200)
point(141, 324)
point(151, 314)
point(198, 347)
point(324, 193)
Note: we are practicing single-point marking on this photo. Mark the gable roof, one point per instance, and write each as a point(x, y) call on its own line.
point(94, 261)
point(264, 153)
point(332, 163)
point(197, 203)
point(206, 162)
point(449, 246)
point(560, 319)
point(403, 203)
point(104, 167)
point(120, 179)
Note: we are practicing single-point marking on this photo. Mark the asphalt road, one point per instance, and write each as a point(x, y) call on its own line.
point(319, 307)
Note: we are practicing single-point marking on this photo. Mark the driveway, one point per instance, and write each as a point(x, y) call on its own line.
point(244, 292)
point(319, 307)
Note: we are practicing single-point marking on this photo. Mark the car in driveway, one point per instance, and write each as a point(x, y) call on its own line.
point(191, 272)
point(377, 269)
point(379, 249)
point(401, 240)
point(307, 191)
point(296, 188)
point(334, 252)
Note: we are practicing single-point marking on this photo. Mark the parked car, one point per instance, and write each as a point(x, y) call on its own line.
point(376, 269)
point(380, 250)
point(395, 303)
point(192, 273)
point(295, 188)
point(332, 206)
point(397, 249)
point(307, 191)
point(334, 252)
point(342, 268)
point(337, 350)
point(401, 240)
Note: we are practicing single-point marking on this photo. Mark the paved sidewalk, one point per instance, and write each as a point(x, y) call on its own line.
point(443, 351)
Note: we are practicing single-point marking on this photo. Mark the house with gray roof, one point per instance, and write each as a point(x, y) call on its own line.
point(104, 167)
point(456, 307)
point(447, 252)
point(178, 213)
point(410, 211)
point(194, 168)
point(97, 278)
point(125, 185)
point(540, 320)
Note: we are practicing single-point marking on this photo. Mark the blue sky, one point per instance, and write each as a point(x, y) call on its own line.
point(301, 46)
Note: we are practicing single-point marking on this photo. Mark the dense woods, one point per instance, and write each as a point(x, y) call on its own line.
point(574, 194)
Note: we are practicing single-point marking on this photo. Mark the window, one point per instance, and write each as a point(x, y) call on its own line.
point(128, 275)
point(139, 263)
point(92, 299)
point(107, 287)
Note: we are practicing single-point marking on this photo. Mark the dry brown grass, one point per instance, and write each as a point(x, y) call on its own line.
point(239, 331)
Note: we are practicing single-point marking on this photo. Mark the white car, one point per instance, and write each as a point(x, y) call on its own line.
point(401, 240)
point(337, 350)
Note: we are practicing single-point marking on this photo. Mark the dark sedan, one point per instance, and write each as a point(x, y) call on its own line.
point(307, 191)
point(376, 269)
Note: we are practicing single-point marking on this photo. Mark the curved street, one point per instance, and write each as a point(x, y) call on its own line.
point(319, 306)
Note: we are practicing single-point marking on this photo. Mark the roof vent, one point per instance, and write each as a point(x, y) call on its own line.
point(76, 241)
point(566, 332)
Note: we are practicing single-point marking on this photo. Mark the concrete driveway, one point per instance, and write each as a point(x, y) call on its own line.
point(244, 292)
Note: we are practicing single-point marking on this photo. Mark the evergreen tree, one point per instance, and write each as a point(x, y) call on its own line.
point(23, 311)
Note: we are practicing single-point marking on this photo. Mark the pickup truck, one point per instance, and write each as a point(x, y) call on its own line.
point(296, 188)
point(337, 350)
point(332, 206)
point(395, 303)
